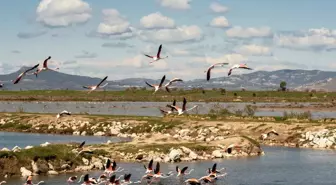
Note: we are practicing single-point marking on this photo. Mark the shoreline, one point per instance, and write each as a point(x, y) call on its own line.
point(171, 138)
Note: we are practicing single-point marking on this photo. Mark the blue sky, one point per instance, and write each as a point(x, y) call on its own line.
point(109, 37)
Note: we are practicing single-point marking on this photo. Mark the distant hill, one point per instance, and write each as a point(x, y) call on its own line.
point(259, 80)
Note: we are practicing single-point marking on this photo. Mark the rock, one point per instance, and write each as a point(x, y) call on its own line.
point(83, 133)
point(28, 147)
point(52, 172)
point(139, 157)
point(193, 155)
point(185, 150)
point(166, 159)
point(16, 149)
point(51, 167)
point(108, 142)
point(45, 144)
point(114, 132)
point(175, 155)
point(5, 149)
point(100, 133)
point(35, 167)
point(217, 154)
point(77, 133)
point(83, 168)
point(85, 161)
point(65, 167)
point(25, 172)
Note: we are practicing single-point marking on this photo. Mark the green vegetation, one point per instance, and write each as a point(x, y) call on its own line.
point(152, 126)
point(198, 95)
point(283, 85)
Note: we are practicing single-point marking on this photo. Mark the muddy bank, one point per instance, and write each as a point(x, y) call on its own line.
point(168, 139)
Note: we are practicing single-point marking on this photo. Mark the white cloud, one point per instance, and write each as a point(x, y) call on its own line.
point(62, 13)
point(218, 8)
point(113, 24)
point(140, 61)
point(233, 58)
point(156, 21)
point(175, 4)
point(240, 32)
point(316, 39)
point(254, 50)
point(220, 22)
point(178, 35)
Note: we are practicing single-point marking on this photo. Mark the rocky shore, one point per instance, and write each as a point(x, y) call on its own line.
point(168, 139)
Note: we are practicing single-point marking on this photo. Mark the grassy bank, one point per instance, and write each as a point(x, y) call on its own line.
point(197, 95)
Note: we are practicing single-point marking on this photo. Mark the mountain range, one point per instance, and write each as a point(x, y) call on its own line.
point(259, 80)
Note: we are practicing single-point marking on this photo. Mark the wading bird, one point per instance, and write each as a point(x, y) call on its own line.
point(17, 80)
point(157, 87)
point(111, 167)
point(182, 172)
point(45, 67)
point(183, 109)
point(208, 71)
point(92, 88)
point(29, 181)
point(268, 134)
point(149, 168)
point(73, 179)
point(167, 112)
point(63, 113)
point(158, 55)
point(158, 175)
point(238, 66)
point(172, 81)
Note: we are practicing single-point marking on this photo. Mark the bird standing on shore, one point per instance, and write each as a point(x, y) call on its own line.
point(92, 88)
point(208, 71)
point(156, 87)
point(18, 79)
point(158, 55)
point(268, 134)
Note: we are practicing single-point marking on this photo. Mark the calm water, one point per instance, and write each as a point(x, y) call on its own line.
point(138, 108)
point(280, 166)
point(11, 139)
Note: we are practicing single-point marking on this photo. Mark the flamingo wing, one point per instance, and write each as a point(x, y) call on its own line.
point(127, 177)
point(214, 168)
point(86, 178)
point(108, 163)
point(34, 67)
point(150, 85)
point(45, 63)
point(208, 74)
point(157, 169)
point(173, 107)
point(162, 80)
point(177, 169)
point(148, 56)
point(150, 165)
point(17, 80)
point(184, 169)
point(81, 145)
point(88, 87)
point(167, 89)
point(247, 68)
point(102, 81)
point(230, 71)
point(114, 165)
point(112, 179)
point(159, 51)
point(184, 104)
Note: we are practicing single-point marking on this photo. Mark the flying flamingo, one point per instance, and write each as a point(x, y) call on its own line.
point(158, 175)
point(111, 168)
point(171, 81)
point(17, 80)
point(87, 180)
point(238, 66)
point(213, 172)
point(127, 179)
point(165, 112)
point(73, 179)
point(157, 87)
point(194, 181)
point(149, 168)
point(268, 134)
point(183, 109)
point(63, 113)
point(157, 57)
point(1, 86)
point(92, 88)
point(29, 181)
point(114, 181)
point(45, 67)
point(208, 71)
point(182, 172)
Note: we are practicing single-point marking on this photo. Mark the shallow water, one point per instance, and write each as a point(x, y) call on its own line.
point(280, 166)
point(141, 108)
point(11, 139)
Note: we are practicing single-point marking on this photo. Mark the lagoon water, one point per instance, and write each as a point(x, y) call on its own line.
point(280, 166)
point(140, 108)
